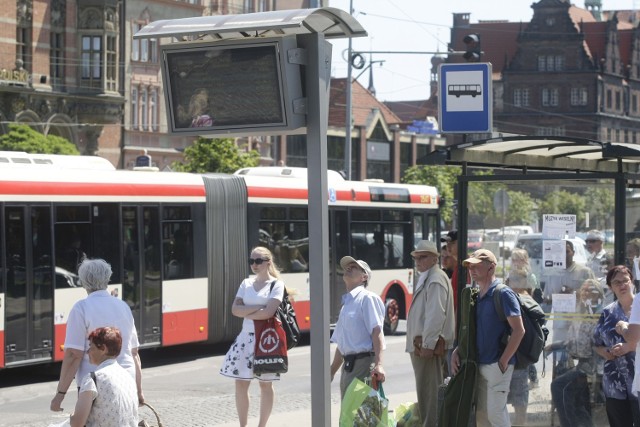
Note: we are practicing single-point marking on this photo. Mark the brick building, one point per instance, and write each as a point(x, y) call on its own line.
point(568, 72)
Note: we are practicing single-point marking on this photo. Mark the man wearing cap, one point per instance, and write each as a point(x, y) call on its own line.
point(430, 328)
point(451, 243)
point(358, 333)
point(495, 360)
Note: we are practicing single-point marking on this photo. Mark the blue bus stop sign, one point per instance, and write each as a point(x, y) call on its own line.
point(465, 101)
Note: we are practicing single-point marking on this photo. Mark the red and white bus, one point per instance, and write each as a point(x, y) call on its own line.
point(178, 245)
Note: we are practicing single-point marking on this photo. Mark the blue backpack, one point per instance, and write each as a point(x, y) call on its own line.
point(535, 331)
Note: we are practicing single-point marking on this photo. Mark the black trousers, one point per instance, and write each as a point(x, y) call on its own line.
point(623, 413)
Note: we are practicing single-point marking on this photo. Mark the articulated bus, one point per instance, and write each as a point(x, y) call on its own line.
point(178, 245)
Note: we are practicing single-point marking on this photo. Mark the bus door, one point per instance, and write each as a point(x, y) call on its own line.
point(338, 247)
point(29, 290)
point(141, 287)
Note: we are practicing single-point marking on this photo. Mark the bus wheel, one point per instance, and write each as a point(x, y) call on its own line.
point(391, 317)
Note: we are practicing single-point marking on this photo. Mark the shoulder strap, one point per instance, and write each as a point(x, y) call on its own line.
point(284, 295)
point(497, 301)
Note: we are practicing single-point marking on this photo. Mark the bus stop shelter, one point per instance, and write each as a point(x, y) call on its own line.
point(537, 167)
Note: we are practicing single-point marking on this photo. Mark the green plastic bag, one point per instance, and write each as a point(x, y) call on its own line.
point(407, 415)
point(363, 406)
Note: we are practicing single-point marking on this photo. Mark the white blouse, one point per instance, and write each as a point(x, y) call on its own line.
point(115, 396)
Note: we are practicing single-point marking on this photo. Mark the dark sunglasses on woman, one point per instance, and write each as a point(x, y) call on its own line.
point(257, 261)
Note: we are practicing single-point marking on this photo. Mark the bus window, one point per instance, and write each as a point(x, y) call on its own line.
point(289, 243)
point(177, 250)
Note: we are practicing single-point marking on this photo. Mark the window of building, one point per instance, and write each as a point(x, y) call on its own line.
point(112, 64)
point(144, 108)
point(143, 50)
point(578, 96)
point(56, 58)
point(134, 108)
point(154, 109)
point(609, 99)
point(634, 103)
point(248, 6)
point(617, 135)
point(608, 134)
point(91, 52)
point(550, 97)
point(626, 136)
point(23, 36)
point(521, 97)
point(618, 100)
point(550, 131)
point(550, 62)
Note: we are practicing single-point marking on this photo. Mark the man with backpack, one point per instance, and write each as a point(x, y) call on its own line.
point(495, 360)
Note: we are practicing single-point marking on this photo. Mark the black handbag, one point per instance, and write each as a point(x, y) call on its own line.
point(287, 316)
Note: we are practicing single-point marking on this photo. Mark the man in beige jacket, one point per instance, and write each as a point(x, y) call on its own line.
point(430, 328)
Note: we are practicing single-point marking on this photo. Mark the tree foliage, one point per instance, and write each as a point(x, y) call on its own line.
point(444, 178)
point(24, 138)
point(566, 203)
point(601, 202)
point(521, 208)
point(215, 155)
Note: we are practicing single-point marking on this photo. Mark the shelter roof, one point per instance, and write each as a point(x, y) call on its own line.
point(541, 153)
point(332, 22)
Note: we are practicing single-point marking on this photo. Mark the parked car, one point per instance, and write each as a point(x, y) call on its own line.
point(474, 240)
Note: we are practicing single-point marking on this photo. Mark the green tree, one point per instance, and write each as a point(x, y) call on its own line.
point(566, 203)
point(521, 208)
point(24, 138)
point(444, 178)
point(480, 201)
point(215, 155)
point(601, 202)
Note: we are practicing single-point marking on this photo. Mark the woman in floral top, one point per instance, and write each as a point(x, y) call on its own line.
point(622, 405)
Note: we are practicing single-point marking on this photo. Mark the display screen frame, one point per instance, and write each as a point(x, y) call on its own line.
point(232, 87)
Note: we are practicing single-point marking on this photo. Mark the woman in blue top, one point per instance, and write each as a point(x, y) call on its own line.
point(622, 405)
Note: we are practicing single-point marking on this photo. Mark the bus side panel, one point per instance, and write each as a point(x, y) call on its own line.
point(64, 300)
point(184, 311)
point(1, 330)
point(303, 314)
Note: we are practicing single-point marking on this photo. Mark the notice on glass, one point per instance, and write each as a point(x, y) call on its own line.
point(558, 227)
point(554, 254)
point(563, 303)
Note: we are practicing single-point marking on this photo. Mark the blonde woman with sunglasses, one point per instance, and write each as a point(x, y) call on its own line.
point(255, 300)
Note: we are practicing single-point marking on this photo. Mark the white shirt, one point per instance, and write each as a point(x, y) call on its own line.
point(100, 309)
point(634, 319)
point(250, 296)
point(362, 311)
point(115, 400)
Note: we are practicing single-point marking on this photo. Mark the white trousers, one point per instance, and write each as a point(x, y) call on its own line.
point(492, 390)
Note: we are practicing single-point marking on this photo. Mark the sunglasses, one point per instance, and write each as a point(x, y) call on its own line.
point(257, 261)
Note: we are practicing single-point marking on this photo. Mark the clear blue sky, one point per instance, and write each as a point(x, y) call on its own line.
point(420, 25)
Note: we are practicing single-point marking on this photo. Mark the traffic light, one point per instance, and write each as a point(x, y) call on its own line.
point(473, 51)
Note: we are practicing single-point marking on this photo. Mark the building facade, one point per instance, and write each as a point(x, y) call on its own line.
point(568, 72)
point(60, 73)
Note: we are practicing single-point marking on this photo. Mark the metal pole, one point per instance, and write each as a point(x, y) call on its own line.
point(348, 125)
point(318, 76)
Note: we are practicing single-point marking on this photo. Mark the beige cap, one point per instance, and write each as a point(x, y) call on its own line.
point(479, 256)
point(345, 261)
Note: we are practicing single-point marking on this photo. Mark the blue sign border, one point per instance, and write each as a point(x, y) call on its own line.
point(466, 121)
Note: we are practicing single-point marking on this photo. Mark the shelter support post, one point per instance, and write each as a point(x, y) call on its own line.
point(317, 88)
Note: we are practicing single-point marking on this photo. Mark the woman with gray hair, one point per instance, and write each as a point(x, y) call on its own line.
point(98, 309)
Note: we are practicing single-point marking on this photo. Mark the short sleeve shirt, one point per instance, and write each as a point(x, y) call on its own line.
point(362, 311)
point(115, 397)
point(250, 296)
point(100, 309)
point(490, 328)
point(634, 318)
